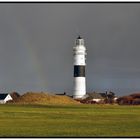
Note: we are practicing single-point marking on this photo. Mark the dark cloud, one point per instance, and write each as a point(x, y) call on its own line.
point(36, 42)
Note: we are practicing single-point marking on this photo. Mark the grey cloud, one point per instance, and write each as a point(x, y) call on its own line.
point(36, 43)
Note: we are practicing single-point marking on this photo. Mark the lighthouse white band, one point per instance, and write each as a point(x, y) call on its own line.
point(79, 60)
point(79, 87)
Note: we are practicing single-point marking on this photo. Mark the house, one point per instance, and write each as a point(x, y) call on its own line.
point(4, 97)
point(97, 97)
point(102, 98)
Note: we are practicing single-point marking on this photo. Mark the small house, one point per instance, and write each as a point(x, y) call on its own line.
point(4, 97)
point(97, 97)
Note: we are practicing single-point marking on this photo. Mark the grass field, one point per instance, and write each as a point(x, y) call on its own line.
point(69, 121)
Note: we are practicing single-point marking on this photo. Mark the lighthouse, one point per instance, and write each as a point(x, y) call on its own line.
point(79, 53)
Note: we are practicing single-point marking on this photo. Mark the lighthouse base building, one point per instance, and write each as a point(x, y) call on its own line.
point(79, 52)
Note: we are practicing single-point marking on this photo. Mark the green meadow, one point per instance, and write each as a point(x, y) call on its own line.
point(69, 121)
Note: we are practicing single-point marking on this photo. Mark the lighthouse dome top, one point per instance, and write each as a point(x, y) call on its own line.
point(79, 37)
point(79, 41)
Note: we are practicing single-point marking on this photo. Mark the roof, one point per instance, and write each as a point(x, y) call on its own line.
point(3, 96)
point(97, 95)
point(104, 95)
point(79, 37)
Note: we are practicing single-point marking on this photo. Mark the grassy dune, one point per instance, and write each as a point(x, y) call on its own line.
point(43, 98)
point(69, 121)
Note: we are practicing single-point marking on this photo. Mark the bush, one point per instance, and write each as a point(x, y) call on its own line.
point(133, 99)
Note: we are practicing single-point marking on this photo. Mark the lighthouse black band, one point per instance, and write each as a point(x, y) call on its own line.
point(79, 71)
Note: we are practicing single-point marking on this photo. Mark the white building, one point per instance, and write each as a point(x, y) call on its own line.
point(4, 97)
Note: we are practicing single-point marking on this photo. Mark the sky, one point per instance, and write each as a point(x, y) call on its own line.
point(37, 40)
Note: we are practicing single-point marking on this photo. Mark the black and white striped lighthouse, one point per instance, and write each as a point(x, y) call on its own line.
point(79, 68)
